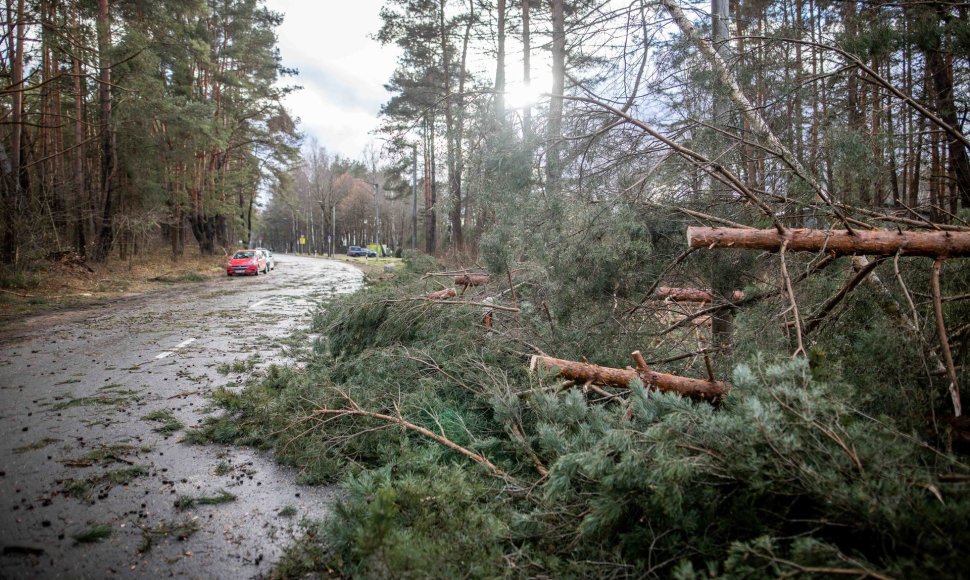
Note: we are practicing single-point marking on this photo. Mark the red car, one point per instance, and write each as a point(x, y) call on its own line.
point(247, 262)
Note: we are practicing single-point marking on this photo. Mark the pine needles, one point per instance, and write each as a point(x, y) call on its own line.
point(791, 474)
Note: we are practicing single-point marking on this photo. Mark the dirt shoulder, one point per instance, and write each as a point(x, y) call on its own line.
point(68, 282)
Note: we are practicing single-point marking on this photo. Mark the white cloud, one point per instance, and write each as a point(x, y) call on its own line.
point(342, 69)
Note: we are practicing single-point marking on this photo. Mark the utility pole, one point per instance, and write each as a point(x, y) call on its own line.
point(414, 196)
point(377, 218)
point(333, 226)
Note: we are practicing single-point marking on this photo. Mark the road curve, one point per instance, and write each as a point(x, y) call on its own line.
point(80, 453)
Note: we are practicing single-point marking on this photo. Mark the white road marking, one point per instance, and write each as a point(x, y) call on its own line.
point(182, 344)
point(259, 303)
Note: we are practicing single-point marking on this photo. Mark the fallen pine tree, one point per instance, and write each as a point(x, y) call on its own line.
point(442, 294)
point(934, 244)
point(471, 280)
point(691, 295)
point(589, 373)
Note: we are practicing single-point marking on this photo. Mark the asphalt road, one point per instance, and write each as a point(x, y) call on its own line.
point(84, 398)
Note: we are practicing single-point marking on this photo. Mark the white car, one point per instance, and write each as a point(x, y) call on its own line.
point(270, 261)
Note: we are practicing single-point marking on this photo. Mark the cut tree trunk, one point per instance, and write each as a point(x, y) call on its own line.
point(934, 244)
point(683, 294)
point(471, 280)
point(442, 294)
point(585, 372)
point(691, 295)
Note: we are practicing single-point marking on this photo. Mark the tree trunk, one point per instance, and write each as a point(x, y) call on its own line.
point(940, 70)
point(526, 71)
point(106, 231)
point(442, 294)
point(500, 64)
point(584, 372)
point(471, 280)
point(80, 134)
point(554, 133)
point(430, 217)
point(691, 295)
point(10, 161)
point(935, 244)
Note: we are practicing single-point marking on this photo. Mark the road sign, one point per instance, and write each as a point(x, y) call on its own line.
point(302, 240)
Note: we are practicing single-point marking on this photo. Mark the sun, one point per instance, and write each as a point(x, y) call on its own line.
point(519, 95)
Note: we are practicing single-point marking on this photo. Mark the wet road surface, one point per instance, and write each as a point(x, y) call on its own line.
point(90, 445)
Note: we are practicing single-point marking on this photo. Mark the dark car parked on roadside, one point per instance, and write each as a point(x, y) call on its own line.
point(358, 252)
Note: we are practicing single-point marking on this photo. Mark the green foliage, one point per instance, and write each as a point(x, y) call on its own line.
point(795, 470)
point(184, 502)
point(441, 522)
point(10, 280)
point(418, 262)
point(168, 423)
point(94, 534)
point(82, 488)
point(180, 530)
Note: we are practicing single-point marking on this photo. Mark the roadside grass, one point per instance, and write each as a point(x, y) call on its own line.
point(95, 533)
point(112, 399)
point(186, 277)
point(168, 424)
point(238, 367)
point(180, 530)
point(106, 455)
point(50, 284)
point(39, 444)
point(83, 488)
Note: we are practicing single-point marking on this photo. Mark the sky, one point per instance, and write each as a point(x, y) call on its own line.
point(342, 70)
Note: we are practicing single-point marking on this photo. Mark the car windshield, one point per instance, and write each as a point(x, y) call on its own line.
point(242, 255)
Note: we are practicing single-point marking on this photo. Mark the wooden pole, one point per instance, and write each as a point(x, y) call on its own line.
point(933, 244)
point(585, 372)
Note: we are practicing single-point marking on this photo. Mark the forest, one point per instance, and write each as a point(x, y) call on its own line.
point(126, 121)
point(697, 306)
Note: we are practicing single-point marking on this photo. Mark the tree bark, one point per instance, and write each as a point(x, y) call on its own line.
point(16, 113)
point(554, 133)
point(584, 372)
point(469, 280)
point(940, 69)
point(80, 183)
point(526, 71)
point(106, 230)
point(934, 244)
point(500, 64)
point(430, 193)
point(683, 294)
point(442, 294)
point(691, 295)
point(452, 138)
